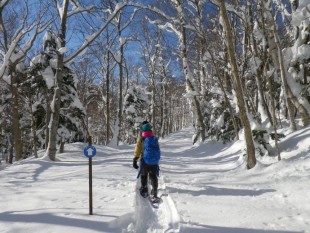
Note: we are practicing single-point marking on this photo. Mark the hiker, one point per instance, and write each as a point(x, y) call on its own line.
point(148, 153)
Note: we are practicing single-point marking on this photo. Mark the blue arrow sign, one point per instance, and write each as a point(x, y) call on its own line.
point(90, 151)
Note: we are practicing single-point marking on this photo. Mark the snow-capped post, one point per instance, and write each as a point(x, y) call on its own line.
point(90, 152)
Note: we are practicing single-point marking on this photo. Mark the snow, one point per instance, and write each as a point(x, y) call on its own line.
point(122, 41)
point(49, 77)
point(35, 60)
point(2, 3)
point(7, 78)
point(60, 9)
point(62, 50)
point(302, 13)
point(130, 109)
point(205, 188)
point(118, 57)
point(303, 52)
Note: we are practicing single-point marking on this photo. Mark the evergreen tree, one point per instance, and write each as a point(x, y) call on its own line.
point(135, 104)
point(41, 84)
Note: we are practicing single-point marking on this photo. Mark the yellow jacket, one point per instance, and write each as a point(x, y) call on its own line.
point(138, 152)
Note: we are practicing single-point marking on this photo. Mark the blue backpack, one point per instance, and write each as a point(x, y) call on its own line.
point(151, 151)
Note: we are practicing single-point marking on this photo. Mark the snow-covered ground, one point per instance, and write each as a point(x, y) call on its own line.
point(205, 188)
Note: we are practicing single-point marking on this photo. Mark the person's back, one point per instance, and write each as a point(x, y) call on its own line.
point(148, 151)
point(151, 151)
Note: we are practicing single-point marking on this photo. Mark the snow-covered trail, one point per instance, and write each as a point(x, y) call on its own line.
point(207, 190)
point(155, 220)
point(214, 192)
point(40, 194)
point(52, 197)
point(185, 177)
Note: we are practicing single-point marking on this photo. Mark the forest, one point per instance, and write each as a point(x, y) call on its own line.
point(93, 70)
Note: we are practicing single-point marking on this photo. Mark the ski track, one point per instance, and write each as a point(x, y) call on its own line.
point(148, 219)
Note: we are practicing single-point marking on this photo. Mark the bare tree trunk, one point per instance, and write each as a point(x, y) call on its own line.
point(163, 114)
point(251, 159)
point(108, 100)
point(17, 142)
point(11, 150)
point(120, 94)
point(33, 129)
point(153, 103)
point(47, 118)
point(62, 146)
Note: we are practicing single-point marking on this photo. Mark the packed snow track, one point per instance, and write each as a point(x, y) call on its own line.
point(148, 219)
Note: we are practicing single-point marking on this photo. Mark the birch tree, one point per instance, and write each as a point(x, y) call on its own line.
point(16, 41)
point(150, 44)
point(65, 12)
point(121, 23)
point(180, 30)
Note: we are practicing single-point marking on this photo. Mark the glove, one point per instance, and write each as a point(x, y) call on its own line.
point(135, 163)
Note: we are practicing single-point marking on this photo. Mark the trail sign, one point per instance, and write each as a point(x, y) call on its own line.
point(90, 151)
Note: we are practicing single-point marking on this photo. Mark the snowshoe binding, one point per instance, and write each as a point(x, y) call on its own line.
point(144, 192)
point(154, 200)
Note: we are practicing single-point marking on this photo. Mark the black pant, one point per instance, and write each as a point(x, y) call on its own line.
point(151, 171)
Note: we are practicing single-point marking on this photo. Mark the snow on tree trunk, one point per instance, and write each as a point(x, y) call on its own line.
point(258, 59)
point(55, 105)
point(54, 121)
point(273, 112)
point(114, 140)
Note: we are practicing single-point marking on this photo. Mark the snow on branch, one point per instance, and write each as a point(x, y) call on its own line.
point(12, 55)
point(119, 6)
point(167, 26)
point(301, 14)
point(17, 52)
point(3, 3)
point(230, 8)
point(77, 8)
point(60, 9)
point(215, 2)
point(89, 39)
point(130, 19)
